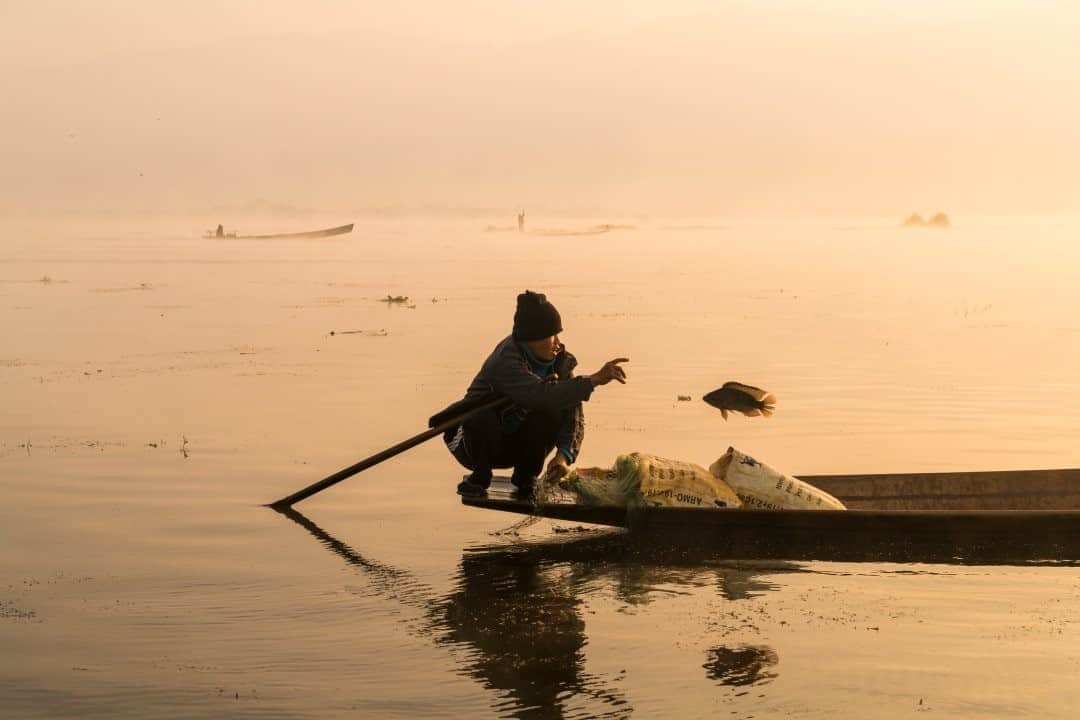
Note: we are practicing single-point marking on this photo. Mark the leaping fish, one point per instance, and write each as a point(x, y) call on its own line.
point(746, 399)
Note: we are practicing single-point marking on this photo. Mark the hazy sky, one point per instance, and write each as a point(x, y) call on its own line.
point(623, 107)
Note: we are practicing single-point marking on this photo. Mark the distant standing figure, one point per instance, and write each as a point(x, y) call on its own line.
point(220, 232)
point(521, 221)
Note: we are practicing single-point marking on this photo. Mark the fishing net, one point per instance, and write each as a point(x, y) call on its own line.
point(641, 480)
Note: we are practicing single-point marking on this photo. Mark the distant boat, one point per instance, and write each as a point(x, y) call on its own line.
point(328, 232)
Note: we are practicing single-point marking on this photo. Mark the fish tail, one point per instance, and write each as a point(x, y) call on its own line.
point(768, 405)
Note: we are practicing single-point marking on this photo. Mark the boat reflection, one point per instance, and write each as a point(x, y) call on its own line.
point(514, 615)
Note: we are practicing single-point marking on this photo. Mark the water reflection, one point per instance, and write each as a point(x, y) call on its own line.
point(514, 618)
point(740, 666)
point(521, 623)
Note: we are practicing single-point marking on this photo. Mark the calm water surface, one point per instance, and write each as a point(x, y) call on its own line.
point(159, 387)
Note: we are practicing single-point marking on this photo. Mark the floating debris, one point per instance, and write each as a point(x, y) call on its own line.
point(395, 299)
point(684, 398)
point(8, 610)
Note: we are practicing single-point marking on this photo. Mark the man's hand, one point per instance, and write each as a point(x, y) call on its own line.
point(556, 469)
point(610, 371)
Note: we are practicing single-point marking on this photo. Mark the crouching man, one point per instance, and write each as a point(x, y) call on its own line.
point(536, 373)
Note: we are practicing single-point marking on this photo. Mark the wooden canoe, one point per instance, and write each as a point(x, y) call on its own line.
point(967, 516)
point(328, 232)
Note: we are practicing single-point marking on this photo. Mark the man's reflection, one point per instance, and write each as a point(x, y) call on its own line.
point(521, 617)
point(740, 666)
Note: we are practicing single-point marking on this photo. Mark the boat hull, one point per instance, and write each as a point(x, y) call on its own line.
point(928, 517)
point(328, 232)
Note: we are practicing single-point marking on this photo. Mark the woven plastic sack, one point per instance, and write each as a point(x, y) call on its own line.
point(760, 487)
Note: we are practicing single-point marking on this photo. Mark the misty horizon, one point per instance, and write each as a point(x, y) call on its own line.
point(695, 110)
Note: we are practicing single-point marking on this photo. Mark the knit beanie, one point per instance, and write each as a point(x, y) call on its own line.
point(535, 318)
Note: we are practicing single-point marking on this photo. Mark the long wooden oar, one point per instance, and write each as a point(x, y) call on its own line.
point(386, 454)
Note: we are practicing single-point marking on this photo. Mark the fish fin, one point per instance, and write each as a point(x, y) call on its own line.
point(723, 412)
point(754, 392)
point(752, 412)
point(768, 405)
point(767, 411)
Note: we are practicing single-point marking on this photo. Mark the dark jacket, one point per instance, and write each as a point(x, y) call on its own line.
point(507, 372)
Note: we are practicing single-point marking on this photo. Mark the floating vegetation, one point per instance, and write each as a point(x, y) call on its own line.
point(398, 300)
point(63, 445)
point(9, 611)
